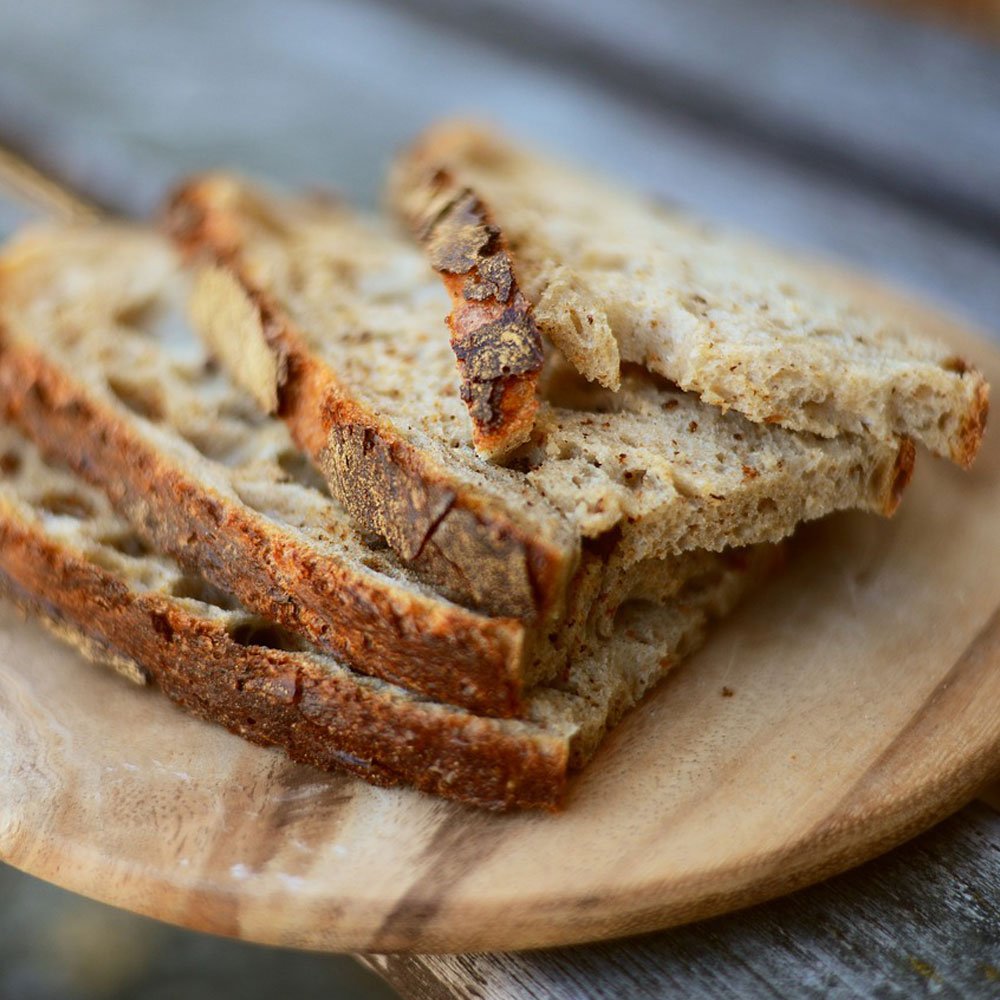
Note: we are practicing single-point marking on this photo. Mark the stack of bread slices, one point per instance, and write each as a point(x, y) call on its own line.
point(242, 457)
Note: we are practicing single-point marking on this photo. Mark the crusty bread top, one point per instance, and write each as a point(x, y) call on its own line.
point(493, 332)
point(99, 365)
point(65, 554)
point(357, 308)
point(614, 277)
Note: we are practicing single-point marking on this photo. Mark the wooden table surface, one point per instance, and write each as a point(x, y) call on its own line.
point(819, 124)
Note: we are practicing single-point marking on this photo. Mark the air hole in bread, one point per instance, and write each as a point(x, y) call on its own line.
point(243, 409)
point(10, 463)
point(697, 305)
point(217, 444)
point(226, 440)
point(128, 543)
point(65, 504)
point(818, 409)
point(576, 393)
point(528, 460)
point(265, 635)
point(139, 399)
point(374, 542)
point(300, 470)
point(631, 615)
point(195, 588)
point(143, 316)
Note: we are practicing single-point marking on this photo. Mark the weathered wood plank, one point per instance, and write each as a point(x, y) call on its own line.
point(922, 921)
point(58, 946)
point(326, 91)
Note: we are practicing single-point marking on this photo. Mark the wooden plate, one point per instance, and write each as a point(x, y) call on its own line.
point(849, 705)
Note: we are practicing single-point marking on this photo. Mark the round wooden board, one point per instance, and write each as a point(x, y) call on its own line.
point(850, 704)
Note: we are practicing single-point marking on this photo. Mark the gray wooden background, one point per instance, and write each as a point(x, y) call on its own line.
point(820, 124)
point(817, 123)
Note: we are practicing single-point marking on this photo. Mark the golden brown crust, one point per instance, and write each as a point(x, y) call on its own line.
point(337, 430)
point(440, 650)
point(493, 333)
point(973, 426)
point(273, 697)
point(899, 478)
point(423, 522)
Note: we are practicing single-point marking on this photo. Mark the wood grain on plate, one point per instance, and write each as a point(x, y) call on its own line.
point(864, 686)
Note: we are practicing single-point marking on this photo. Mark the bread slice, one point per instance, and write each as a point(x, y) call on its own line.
point(98, 366)
point(66, 557)
point(615, 278)
point(347, 376)
point(359, 369)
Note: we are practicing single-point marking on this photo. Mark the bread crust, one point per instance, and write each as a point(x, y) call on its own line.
point(515, 573)
point(972, 428)
point(899, 479)
point(70, 561)
point(279, 698)
point(493, 332)
point(439, 649)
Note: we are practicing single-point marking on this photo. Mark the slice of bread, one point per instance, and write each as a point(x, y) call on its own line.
point(666, 473)
point(345, 318)
point(98, 366)
point(363, 375)
point(66, 557)
point(614, 278)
